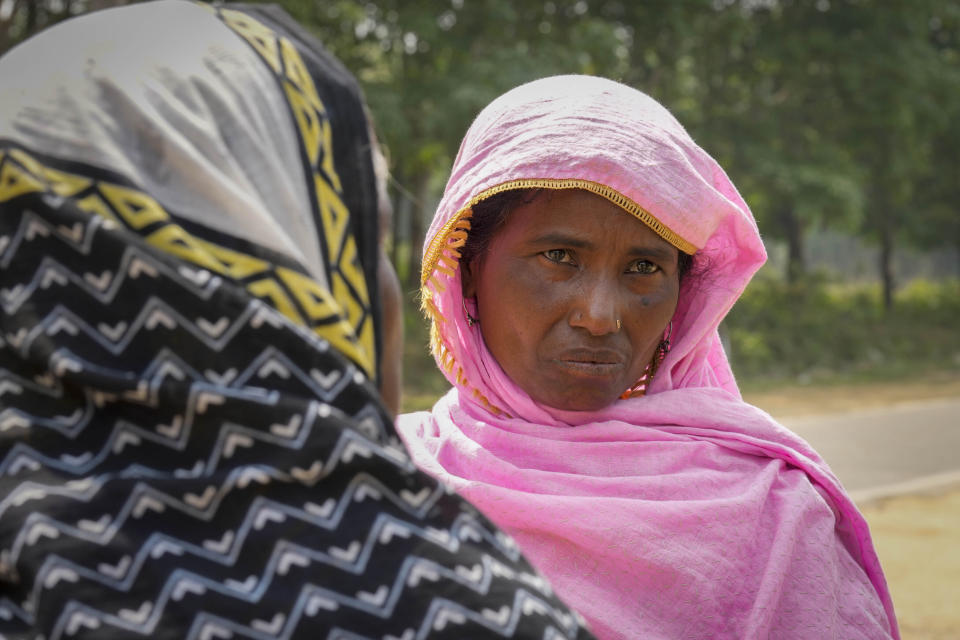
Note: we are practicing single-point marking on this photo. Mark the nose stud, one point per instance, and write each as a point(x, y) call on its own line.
point(595, 324)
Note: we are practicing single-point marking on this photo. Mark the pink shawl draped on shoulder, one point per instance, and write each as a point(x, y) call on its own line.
point(686, 513)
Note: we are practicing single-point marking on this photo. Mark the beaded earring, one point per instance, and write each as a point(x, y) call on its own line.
point(470, 319)
point(639, 389)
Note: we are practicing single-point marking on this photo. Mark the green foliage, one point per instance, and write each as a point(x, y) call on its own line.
point(815, 330)
point(19, 19)
point(423, 383)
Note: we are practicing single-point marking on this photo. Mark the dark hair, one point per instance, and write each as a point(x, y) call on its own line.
point(491, 213)
point(684, 264)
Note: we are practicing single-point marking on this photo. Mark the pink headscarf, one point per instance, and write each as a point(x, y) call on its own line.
point(684, 513)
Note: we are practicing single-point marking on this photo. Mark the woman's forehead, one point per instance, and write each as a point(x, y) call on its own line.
point(577, 217)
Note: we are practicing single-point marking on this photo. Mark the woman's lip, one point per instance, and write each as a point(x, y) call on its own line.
point(590, 369)
point(592, 356)
point(591, 363)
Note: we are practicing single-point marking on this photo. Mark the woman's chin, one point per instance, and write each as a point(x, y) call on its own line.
point(579, 400)
point(574, 386)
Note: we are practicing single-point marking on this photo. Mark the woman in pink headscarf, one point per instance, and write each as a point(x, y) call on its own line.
point(579, 264)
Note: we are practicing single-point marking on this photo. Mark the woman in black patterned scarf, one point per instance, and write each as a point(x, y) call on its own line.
point(197, 326)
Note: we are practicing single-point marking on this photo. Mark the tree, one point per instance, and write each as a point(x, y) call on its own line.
point(750, 81)
point(19, 19)
point(934, 219)
point(895, 85)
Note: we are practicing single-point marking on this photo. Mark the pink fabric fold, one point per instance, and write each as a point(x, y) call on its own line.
point(686, 513)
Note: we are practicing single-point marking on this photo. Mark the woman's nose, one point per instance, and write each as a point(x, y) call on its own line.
point(596, 308)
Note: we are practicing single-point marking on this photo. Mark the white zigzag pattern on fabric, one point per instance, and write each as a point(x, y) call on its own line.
point(284, 555)
point(201, 393)
point(31, 224)
point(166, 364)
point(308, 602)
point(50, 270)
point(145, 497)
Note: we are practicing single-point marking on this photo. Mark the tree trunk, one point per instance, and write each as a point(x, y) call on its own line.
point(886, 260)
point(793, 232)
point(6, 27)
point(30, 23)
point(418, 216)
point(401, 211)
point(956, 252)
point(96, 5)
point(396, 235)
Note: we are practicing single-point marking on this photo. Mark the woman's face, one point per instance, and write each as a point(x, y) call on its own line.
point(573, 295)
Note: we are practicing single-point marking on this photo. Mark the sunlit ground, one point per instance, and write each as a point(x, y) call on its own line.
point(845, 395)
point(918, 539)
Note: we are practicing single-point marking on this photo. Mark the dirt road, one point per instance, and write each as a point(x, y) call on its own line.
point(887, 447)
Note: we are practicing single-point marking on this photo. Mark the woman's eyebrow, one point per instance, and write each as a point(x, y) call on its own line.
point(561, 239)
point(568, 240)
point(655, 252)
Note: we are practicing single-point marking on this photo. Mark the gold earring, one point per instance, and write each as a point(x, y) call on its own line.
point(619, 324)
point(639, 389)
point(470, 319)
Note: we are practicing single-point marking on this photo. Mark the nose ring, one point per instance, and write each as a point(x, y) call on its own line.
point(619, 325)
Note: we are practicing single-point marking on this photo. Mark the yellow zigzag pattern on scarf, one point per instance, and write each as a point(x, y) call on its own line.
point(454, 235)
point(347, 282)
point(296, 296)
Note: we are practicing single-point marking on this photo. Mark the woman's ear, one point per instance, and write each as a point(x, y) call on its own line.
point(468, 284)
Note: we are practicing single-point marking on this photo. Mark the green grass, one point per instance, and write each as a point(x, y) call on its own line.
point(423, 383)
point(817, 331)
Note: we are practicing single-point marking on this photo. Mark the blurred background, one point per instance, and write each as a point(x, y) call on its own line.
point(839, 121)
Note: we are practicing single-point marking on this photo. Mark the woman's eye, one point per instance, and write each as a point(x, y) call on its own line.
point(644, 267)
point(561, 256)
